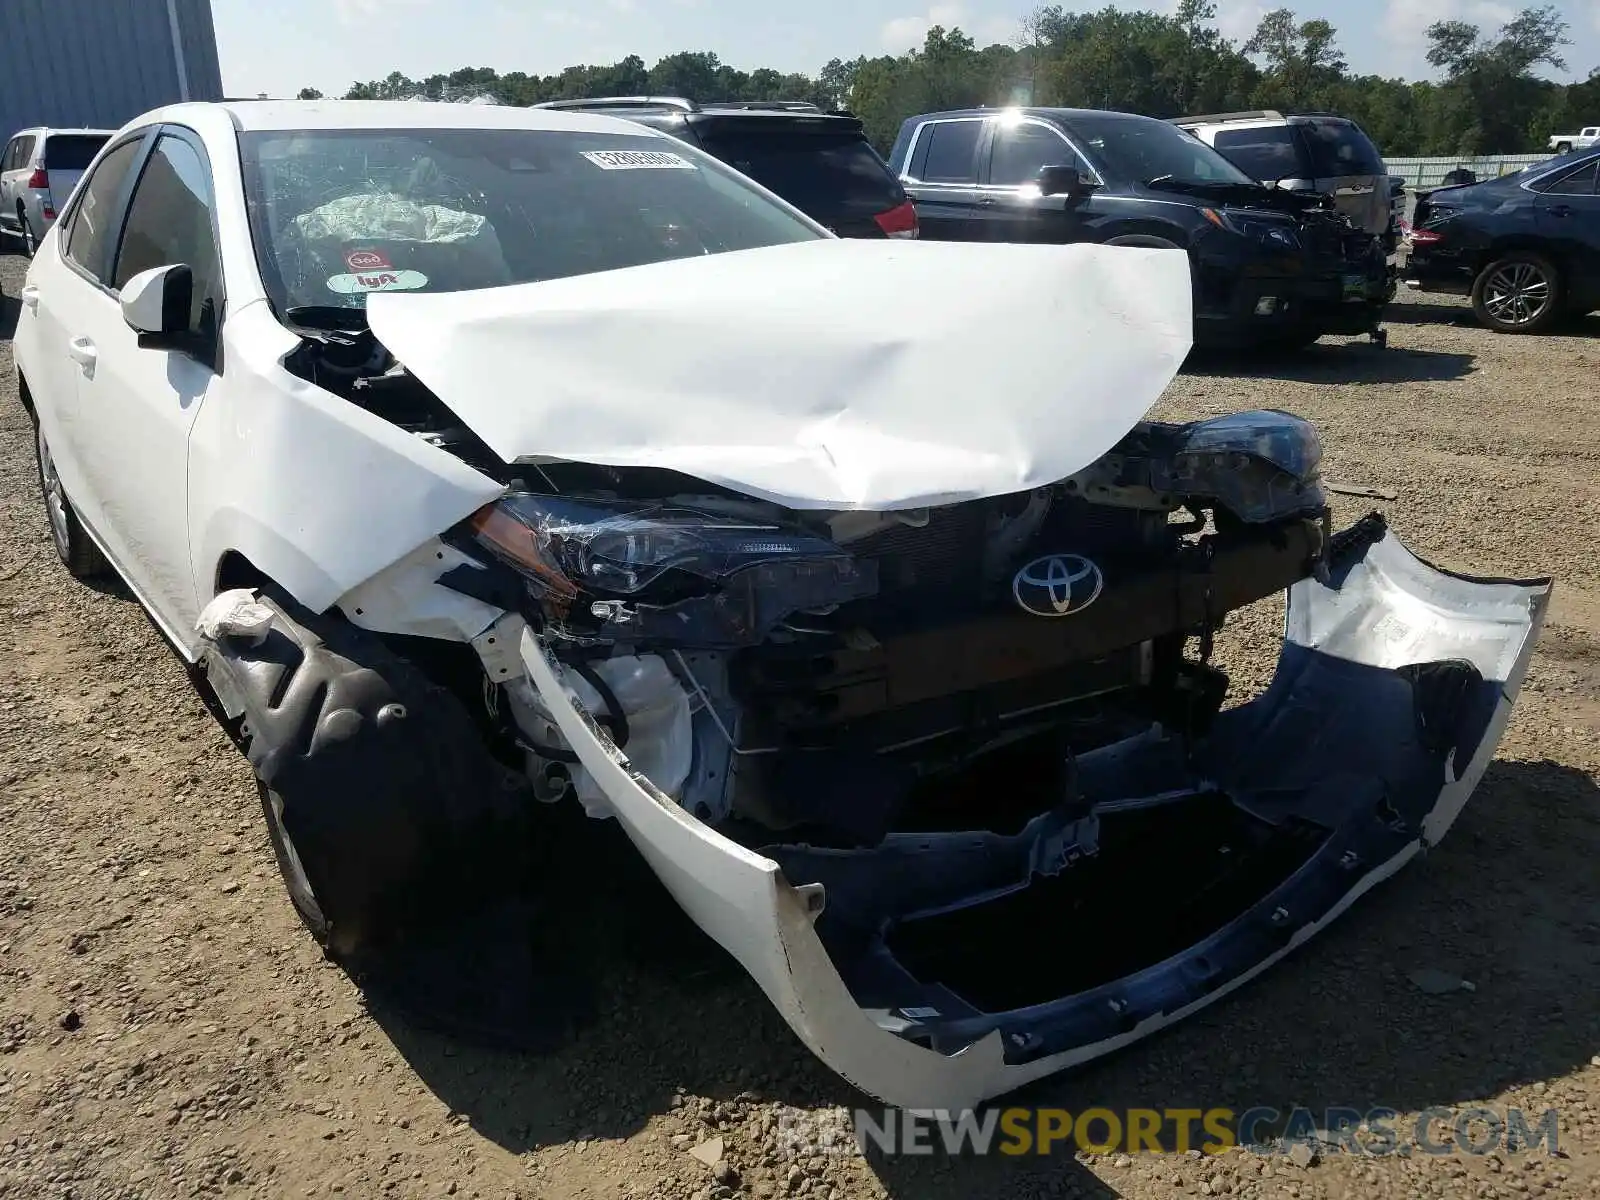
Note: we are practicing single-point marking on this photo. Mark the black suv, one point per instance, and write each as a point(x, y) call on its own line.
point(1269, 266)
point(819, 162)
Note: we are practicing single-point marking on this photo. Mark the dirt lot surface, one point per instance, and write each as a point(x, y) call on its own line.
point(168, 1029)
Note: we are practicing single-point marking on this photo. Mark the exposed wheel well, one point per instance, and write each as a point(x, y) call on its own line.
point(234, 570)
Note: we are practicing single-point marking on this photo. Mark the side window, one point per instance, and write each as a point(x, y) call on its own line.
point(8, 160)
point(1020, 151)
point(169, 222)
point(1575, 183)
point(90, 236)
point(24, 153)
point(952, 151)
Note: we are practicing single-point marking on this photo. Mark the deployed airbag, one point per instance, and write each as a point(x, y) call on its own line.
point(831, 374)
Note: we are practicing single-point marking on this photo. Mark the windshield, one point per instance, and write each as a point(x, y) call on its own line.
point(72, 151)
point(339, 214)
point(1142, 149)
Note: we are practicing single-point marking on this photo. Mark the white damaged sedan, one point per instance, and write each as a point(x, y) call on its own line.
point(482, 461)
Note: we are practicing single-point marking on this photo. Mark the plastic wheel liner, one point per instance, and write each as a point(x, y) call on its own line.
point(1391, 693)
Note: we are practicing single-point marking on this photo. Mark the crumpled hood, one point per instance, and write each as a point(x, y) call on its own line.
point(831, 374)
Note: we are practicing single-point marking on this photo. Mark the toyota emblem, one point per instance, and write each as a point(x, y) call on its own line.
point(1057, 585)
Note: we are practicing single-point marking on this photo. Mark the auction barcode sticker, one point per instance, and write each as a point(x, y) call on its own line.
point(638, 160)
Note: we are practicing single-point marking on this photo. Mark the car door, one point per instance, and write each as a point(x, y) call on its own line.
point(1568, 214)
point(9, 165)
point(139, 402)
point(1010, 207)
point(64, 280)
point(941, 177)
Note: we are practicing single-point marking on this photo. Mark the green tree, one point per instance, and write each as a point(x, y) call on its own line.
point(1492, 98)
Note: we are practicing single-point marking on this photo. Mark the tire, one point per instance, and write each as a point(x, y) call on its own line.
point(386, 812)
point(78, 554)
point(295, 882)
point(30, 243)
point(1563, 147)
point(1520, 292)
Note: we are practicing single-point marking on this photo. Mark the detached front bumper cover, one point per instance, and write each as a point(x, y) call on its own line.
point(1392, 691)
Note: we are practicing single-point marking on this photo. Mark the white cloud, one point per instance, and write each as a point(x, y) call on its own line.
point(1238, 20)
point(357, 12)
point(1405, 28)
point(908, 33)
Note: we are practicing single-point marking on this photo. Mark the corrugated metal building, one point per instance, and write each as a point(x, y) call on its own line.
point(100, 63)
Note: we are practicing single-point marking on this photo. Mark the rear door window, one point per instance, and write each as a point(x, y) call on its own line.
point(820, 174)
point(72, 151)
point(1575, 183)
point(21, 156)
point(1338, 148)
point(950, 153)
point(1268, 154)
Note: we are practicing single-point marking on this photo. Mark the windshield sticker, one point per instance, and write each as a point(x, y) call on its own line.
point(638, 160)
point(367, 260)
point(377, 281)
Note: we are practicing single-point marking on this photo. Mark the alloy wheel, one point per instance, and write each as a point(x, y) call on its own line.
point(1517, 293)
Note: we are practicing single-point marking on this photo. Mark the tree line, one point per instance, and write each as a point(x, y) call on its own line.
point(1489, 100)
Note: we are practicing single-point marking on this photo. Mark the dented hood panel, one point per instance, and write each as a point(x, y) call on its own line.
point(831, 374)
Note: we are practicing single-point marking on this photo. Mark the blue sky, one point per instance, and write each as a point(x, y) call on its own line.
point(280, 46)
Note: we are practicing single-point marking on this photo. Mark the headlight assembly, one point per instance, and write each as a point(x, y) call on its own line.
point(1268, 233)
point(1262, 465)
point(662, 571)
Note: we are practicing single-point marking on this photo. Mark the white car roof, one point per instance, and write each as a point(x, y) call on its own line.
point(256, 115)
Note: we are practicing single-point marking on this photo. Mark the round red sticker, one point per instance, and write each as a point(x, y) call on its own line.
point(366, 260)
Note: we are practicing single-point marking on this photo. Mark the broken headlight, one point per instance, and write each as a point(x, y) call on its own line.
point(655, 570)
point(1262, 465)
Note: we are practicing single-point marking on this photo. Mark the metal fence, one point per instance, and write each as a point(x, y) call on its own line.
point(1430, 172)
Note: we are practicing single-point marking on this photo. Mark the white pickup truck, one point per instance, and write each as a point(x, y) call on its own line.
point(1562, 143)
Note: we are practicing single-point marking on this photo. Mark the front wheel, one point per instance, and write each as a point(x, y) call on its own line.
point(1563, 147)
point(1520, 293)
point(386, 813)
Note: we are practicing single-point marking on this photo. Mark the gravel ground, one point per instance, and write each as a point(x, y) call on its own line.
point(167, 1029)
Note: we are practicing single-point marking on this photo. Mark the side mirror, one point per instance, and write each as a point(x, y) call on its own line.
point(1064, 181)
point(156, 304)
